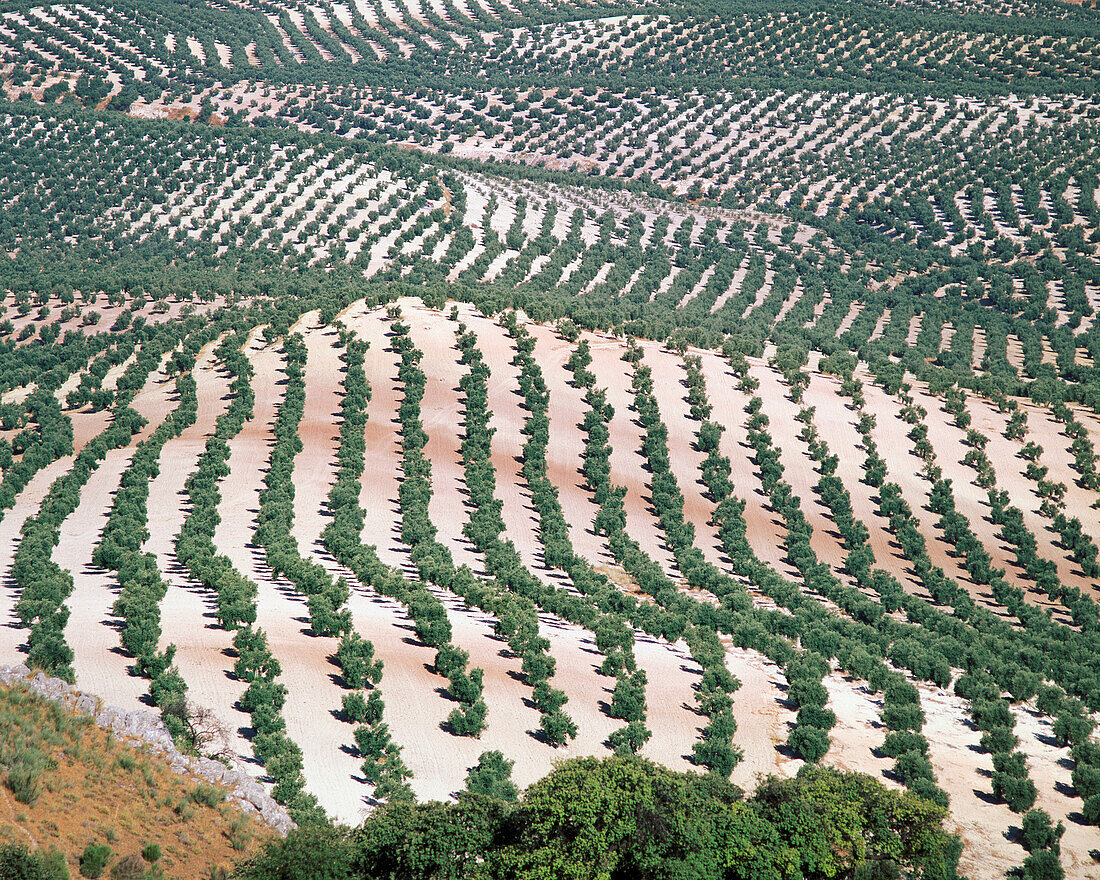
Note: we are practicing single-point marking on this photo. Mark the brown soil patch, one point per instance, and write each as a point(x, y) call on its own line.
point(104, 791)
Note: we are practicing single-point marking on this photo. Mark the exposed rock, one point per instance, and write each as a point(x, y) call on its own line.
point(147, 727)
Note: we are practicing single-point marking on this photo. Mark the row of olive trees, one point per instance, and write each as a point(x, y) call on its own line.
point(44, 585)
point(994, 656)
point(432, 559)
point(516, 613)
point(142, 585)
point(235, 595)
point(326, 597)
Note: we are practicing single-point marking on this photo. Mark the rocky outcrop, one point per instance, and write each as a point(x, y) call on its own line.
point(147, 729)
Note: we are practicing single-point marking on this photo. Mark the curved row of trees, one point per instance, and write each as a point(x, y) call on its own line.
point(714, 696)
point(48, 435)
point(517, 618)
point(142, 587)
point(901, 710)
point(235, 595)
point(432, 559)
point(604, 609)
point(326, 597)
point(995, 657)
point(44, 585)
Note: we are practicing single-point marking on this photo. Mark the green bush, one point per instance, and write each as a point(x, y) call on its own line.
point(94, 859)
point(25, 767)
point(19, 863)
point(492, 777)
point(808, 743)
point(630, 818)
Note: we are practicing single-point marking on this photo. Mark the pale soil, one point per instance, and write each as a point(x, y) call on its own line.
point(1050, 767)
point(1015, 353)
point(13, 637)
point(1044, 430)
point(507, 698)
point(971, 500)
point(627, 460)
point(858, 731)
point(563, 452)
point(838, 425)
point(382, 469)
point(1010, 478)
point(413, 694)
point(903, 468)
point(315, 466)
point(674, 727)
point(764, 528)
point(962, 770)
point(668, 689)
point(799, 470)
point(765, 288)
point(313, 696)
point(880, 325)
point(441, 414)
point(764, 718)
point(415, 697)
point(416, 702)
point(670, 390)
point(92, 630)
point(187, 612)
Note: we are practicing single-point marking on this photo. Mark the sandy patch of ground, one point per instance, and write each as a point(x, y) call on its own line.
point(799, 469)
point(971, 500)
point(764, 528)
point(563, 452)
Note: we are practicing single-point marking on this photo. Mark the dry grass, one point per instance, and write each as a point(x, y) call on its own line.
point(68, 784)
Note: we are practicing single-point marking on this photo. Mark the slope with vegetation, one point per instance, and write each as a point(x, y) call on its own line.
point(707, 383)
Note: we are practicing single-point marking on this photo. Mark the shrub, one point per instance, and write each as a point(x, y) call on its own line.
point(25, 776)
point(808, 743)
point(206, 795)
point(898, 742)
point(1018, 792)
point(492, 777)
point(355, 707)
point(629, 739)
point(1039, 832)
point(557, 727)
point(469, 720)
point(1042, 865)
point(94, 859)
point(927, 789)
point(999, 739)
point(19, 863)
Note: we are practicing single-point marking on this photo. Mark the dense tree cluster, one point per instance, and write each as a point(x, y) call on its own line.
point(623, 816)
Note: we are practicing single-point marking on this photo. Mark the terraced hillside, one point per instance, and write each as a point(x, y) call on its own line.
point(374, 553)
point(388, 382)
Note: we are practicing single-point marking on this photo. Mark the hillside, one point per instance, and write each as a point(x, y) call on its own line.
point(384, 383)
point(71, 785)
